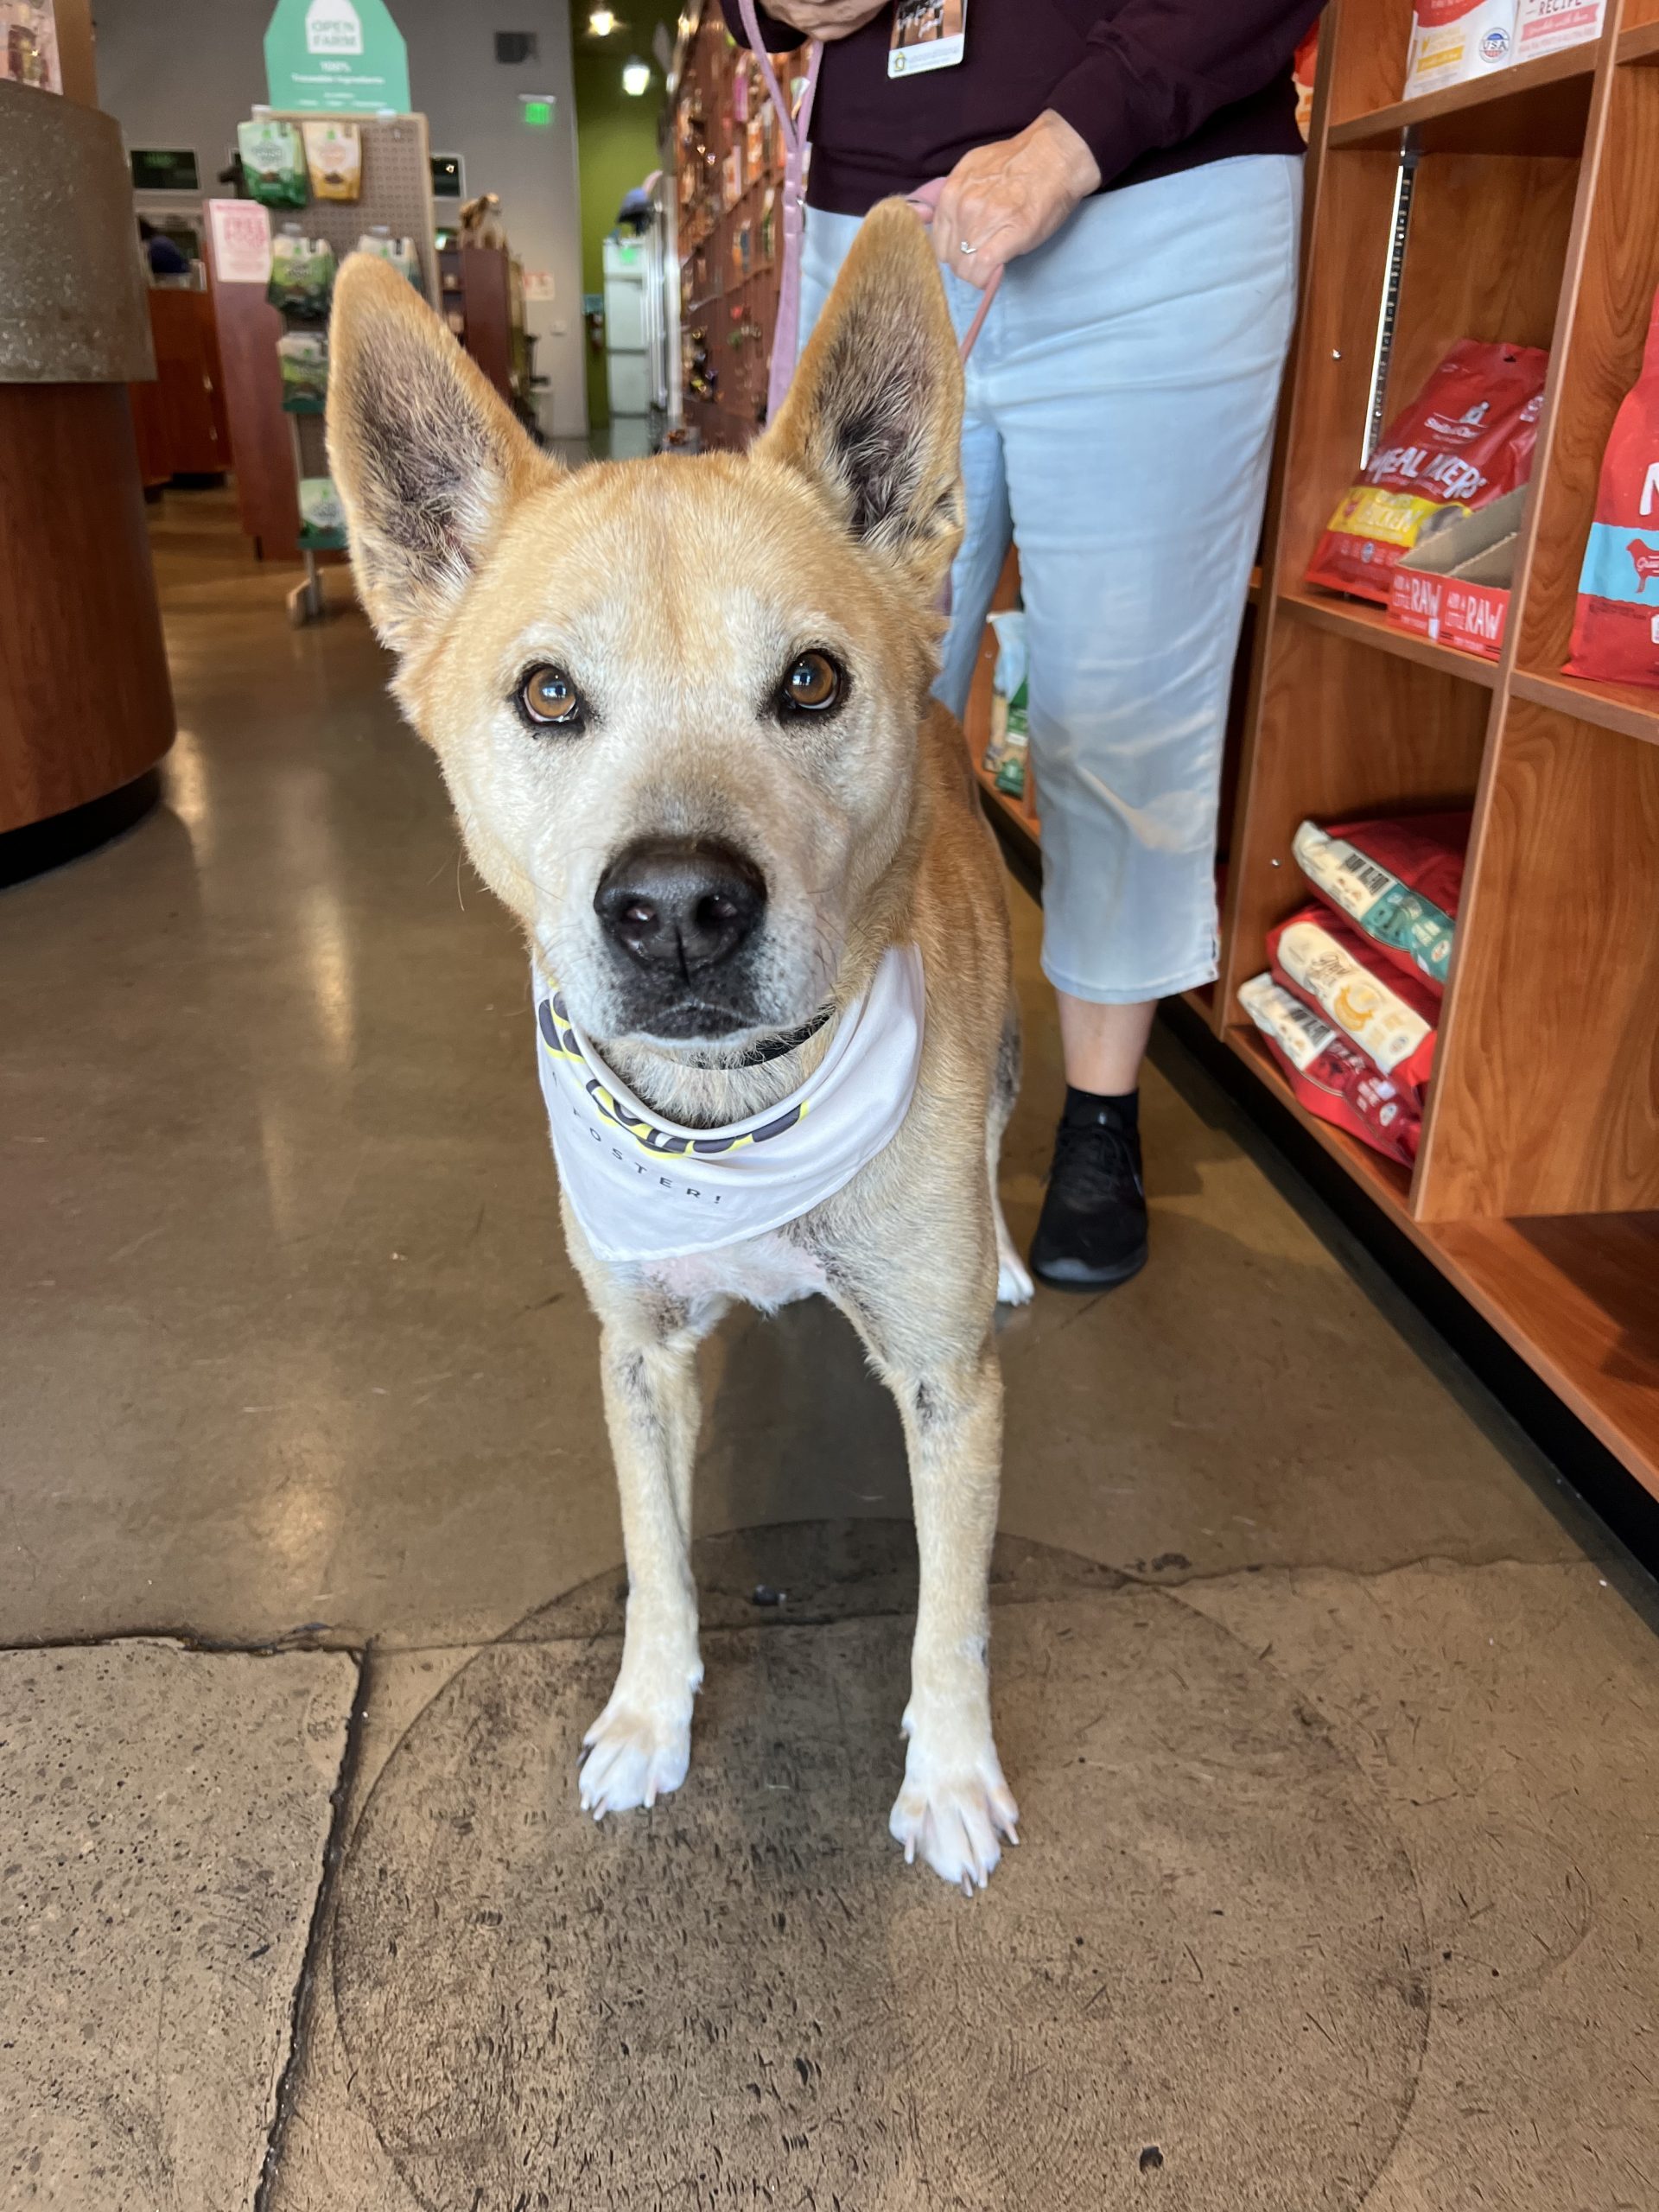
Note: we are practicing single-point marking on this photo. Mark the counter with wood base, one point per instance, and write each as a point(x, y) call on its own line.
point(85, 708)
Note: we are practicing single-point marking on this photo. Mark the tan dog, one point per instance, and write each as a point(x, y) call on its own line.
point(683, 709)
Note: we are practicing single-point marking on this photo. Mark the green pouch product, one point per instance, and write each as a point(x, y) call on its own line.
point(323, 518)
point(400, 253)
point(304, 362)
point(1005, 756)
point(301, 275)
point(273, 161)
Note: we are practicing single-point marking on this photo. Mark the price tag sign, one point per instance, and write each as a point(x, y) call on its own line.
point(240, 232)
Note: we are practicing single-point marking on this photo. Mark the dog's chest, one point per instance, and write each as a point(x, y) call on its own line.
point(767, 1271)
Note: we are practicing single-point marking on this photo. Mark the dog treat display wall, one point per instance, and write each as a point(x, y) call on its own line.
point(728, 169)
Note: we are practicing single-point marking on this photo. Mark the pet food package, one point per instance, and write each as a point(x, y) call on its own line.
point(301, 280)
point(1616, 629)
point(1453, 585)
point(400, 253)
point(1543, 25)
point(1453, 41)
point(303, 359)
point(1392, 1014)
point(1005, 755)
point(272, 162)
point(323, 518)
point(1399, 881)
point(334, 157)
point(1465, 440)
point(1329, 1076)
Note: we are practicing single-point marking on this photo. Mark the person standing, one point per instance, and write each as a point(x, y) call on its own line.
point(1135, 171)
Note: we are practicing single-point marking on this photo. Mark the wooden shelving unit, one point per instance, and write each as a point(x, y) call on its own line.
point(1537, 1190)
point(483, 301)
point(1536, 1194)
point(729, 298)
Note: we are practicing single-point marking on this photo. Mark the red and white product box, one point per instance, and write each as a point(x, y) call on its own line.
point(1453, 585)
point(1470, 616)
point(1543, 26)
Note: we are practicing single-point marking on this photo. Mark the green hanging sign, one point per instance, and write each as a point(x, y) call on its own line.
point(336, 57)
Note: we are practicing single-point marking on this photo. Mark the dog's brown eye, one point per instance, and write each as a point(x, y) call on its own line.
point(549, 698)
point(813, 683)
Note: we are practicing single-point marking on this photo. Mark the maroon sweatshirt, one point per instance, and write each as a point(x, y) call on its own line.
point(1152, 85)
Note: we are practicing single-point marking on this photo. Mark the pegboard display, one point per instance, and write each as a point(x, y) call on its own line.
point(396, 192)
point(729, 168)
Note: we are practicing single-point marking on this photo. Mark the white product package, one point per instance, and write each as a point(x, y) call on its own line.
point(1453, 41)
point(1543, 25)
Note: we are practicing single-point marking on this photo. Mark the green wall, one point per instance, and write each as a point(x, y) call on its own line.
point(616, 145)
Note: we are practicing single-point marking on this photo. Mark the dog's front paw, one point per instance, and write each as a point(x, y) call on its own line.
point(952, 1811)
point(636, 1752)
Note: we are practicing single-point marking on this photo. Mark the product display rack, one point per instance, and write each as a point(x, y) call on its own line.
point(727, 307)
point(396, 198)
point(1536, 1189)
point(1536, 1194)
point(272, 450)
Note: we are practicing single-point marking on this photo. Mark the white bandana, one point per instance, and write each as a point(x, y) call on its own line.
point(645, 1189)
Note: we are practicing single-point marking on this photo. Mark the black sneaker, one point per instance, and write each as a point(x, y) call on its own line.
point(1093, 1230)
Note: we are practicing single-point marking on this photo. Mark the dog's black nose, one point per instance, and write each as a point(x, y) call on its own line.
point(680, 903)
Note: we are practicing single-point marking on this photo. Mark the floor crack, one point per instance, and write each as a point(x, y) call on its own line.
point(300, 2011)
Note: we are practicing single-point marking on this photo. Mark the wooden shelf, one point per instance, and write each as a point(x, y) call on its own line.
point(1631, 708)
point(1532, 108)
point(1575, 1295)
point(1640, 43)
point(1353, 619)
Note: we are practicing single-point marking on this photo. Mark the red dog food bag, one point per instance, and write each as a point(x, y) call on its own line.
point(1331, 1077)
point(1392, 1014)
point(1400, 880)
point(1467, 437)
point(1616, 631)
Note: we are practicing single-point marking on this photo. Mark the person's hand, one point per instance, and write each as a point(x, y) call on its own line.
point(1004, 199)
point(825, 19)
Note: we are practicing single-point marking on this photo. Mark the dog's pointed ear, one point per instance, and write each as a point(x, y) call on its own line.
point(426, 457)
point(875, 413)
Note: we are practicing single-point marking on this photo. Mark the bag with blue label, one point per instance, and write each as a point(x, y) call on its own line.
point(1616, 631)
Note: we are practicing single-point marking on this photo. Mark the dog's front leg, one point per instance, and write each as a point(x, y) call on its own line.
point(640, 1745)
point(955, 1803)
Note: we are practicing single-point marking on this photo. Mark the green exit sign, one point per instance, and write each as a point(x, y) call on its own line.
point(539, 113)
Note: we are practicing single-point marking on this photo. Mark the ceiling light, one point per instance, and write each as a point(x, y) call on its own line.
point(601, 22)
point(636, 77)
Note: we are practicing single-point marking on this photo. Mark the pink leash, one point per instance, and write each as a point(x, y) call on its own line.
point(794, 124)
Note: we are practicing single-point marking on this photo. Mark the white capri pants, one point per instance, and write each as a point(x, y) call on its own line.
point(1119, 419)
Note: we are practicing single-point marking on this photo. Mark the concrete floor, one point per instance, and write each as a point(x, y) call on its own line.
point(1333, 1720)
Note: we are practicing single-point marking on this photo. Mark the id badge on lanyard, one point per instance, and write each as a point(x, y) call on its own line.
point(926, 35)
